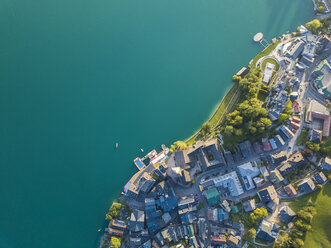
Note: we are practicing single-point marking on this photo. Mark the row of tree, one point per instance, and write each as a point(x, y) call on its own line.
point(319, 26)
point(302, 224)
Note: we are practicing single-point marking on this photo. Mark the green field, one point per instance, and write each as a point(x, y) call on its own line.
point(218, 114)
point(272, 61)
point(265, 52)
point(320, 235)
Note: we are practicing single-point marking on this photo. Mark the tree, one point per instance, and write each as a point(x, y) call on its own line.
point(108, 217)
point(307, 152)
point(115, 209)
point(251, 233)
point(302, 226)
point(236, 78)
point(321, 9)
point(257, 215)
point(283, 117)
point(297, 243)
point(305, 215)
point(313, 146)
point(314, 26)
point(115, 242)
point(178, 145)
point(206, 129)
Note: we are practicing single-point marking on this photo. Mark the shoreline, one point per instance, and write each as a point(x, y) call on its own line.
point(215, 120)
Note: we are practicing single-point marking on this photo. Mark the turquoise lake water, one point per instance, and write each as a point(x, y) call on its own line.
point(78, 76)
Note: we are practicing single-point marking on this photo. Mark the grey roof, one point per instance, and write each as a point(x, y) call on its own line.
point(249, 205)
point(137, 220)
point(286, 214)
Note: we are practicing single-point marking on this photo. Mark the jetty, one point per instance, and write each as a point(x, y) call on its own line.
point(259, 38)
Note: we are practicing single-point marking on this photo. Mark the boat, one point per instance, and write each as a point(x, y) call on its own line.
point(99, 229)
point(116, 144)
point(142, 150)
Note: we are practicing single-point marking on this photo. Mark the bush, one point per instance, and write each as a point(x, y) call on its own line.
point(115, 242)
point(257, 215)
point(115, 209)
point(251, 233)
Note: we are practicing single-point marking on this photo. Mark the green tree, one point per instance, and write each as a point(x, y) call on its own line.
point(283, 117)
point(305, 215)
point(302, 226)
point(178, 145)
point(206, 129)
point(313, 146)
point(314, 26)
point(236, 78)
point(251, 233)
point(257, 215)
point(321, 9)
point(115, 242)
point(108, 217)
point(307, 152)
point(297, 243)
point(115, 209)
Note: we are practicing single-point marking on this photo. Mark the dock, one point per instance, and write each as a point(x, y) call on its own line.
point(259, 38)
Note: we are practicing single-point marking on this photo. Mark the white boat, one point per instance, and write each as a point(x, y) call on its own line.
point(116, 144)
point(142, 150)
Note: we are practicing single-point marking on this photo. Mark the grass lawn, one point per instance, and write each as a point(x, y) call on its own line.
point(320, 235)
point(272, 61)
point(265, 52)
point(219, 113)
point(302, 137)
point(262, 95)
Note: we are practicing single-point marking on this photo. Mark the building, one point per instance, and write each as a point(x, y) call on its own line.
point(186, 178)
point(208, 155)
point(249, 205)
point(267, 231)
point(315, 135)
point(296, 159)
point(139, 185)
point(268, 72)
point(326, 163)
point(286, 214)
point(290, 190)
point(218, 240)
point(266, 146)
point(285, 168)
point(230, 182)
point(307, 185)
point(246, 149)
point(213, 197)
point(248, 172)
point(279, 141)
point(258, 148)
point(322, 75)
point(295, 49)
point(137, 220)
point(232, 241)
point(222, 215)
point(267, 194)
point(285, 133)
point(278, 104)
point(318, 116)
point(242, 72)
point(275, 176)
point(320, 178)
point(279, 157)
point(226, 206)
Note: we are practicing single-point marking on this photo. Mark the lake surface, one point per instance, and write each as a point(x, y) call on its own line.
point(78, 76)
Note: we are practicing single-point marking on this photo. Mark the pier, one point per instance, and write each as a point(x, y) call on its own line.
point(259, 38)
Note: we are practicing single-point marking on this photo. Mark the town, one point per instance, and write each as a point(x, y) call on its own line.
point(231, 186)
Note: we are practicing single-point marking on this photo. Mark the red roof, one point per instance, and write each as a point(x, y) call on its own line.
point(267, 146)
